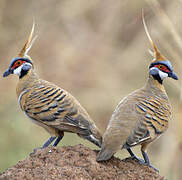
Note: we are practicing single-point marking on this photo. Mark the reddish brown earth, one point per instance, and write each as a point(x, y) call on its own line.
point(78, 163)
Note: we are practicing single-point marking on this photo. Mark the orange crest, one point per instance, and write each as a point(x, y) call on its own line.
point(157, 54)
point(28, 44)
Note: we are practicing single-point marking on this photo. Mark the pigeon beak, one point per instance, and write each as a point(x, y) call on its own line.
point(8, 72)
point(173, 75)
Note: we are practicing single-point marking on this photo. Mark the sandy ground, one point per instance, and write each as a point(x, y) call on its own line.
point(78, 163)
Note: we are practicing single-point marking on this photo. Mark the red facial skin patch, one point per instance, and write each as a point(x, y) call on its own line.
point(162, 67)
point(18, 63)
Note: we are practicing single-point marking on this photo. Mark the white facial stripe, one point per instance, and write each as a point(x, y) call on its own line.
point(163, 74)
point(153, 68)
point(28, 64)
point(17, 71)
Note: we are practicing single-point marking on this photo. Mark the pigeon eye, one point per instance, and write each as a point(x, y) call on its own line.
point(162, 68)
point(17, 64)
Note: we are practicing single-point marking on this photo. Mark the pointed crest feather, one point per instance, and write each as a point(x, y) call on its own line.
point(157, 55)
point(28, 43)
point(151, 52)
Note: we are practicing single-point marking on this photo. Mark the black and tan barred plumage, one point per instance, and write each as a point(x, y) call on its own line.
point(55, 109)
point(153, 108)
point(143, 115)
point(48, 105)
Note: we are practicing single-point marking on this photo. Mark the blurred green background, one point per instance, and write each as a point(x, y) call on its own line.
point(97, 51)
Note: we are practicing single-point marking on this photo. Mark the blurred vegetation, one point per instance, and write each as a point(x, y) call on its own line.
point(98, 51)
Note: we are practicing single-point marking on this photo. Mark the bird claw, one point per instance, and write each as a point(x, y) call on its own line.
point(152, 167)
point(141, 161)
point(35, 150)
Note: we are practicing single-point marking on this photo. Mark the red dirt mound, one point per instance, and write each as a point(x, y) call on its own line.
point(78, 163)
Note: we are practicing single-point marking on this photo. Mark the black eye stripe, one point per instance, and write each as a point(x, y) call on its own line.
point(18, 58)
point(162, 65)
point(167, 64)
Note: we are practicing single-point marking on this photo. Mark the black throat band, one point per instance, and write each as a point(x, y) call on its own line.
point(23, 73)
point(158, 78)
